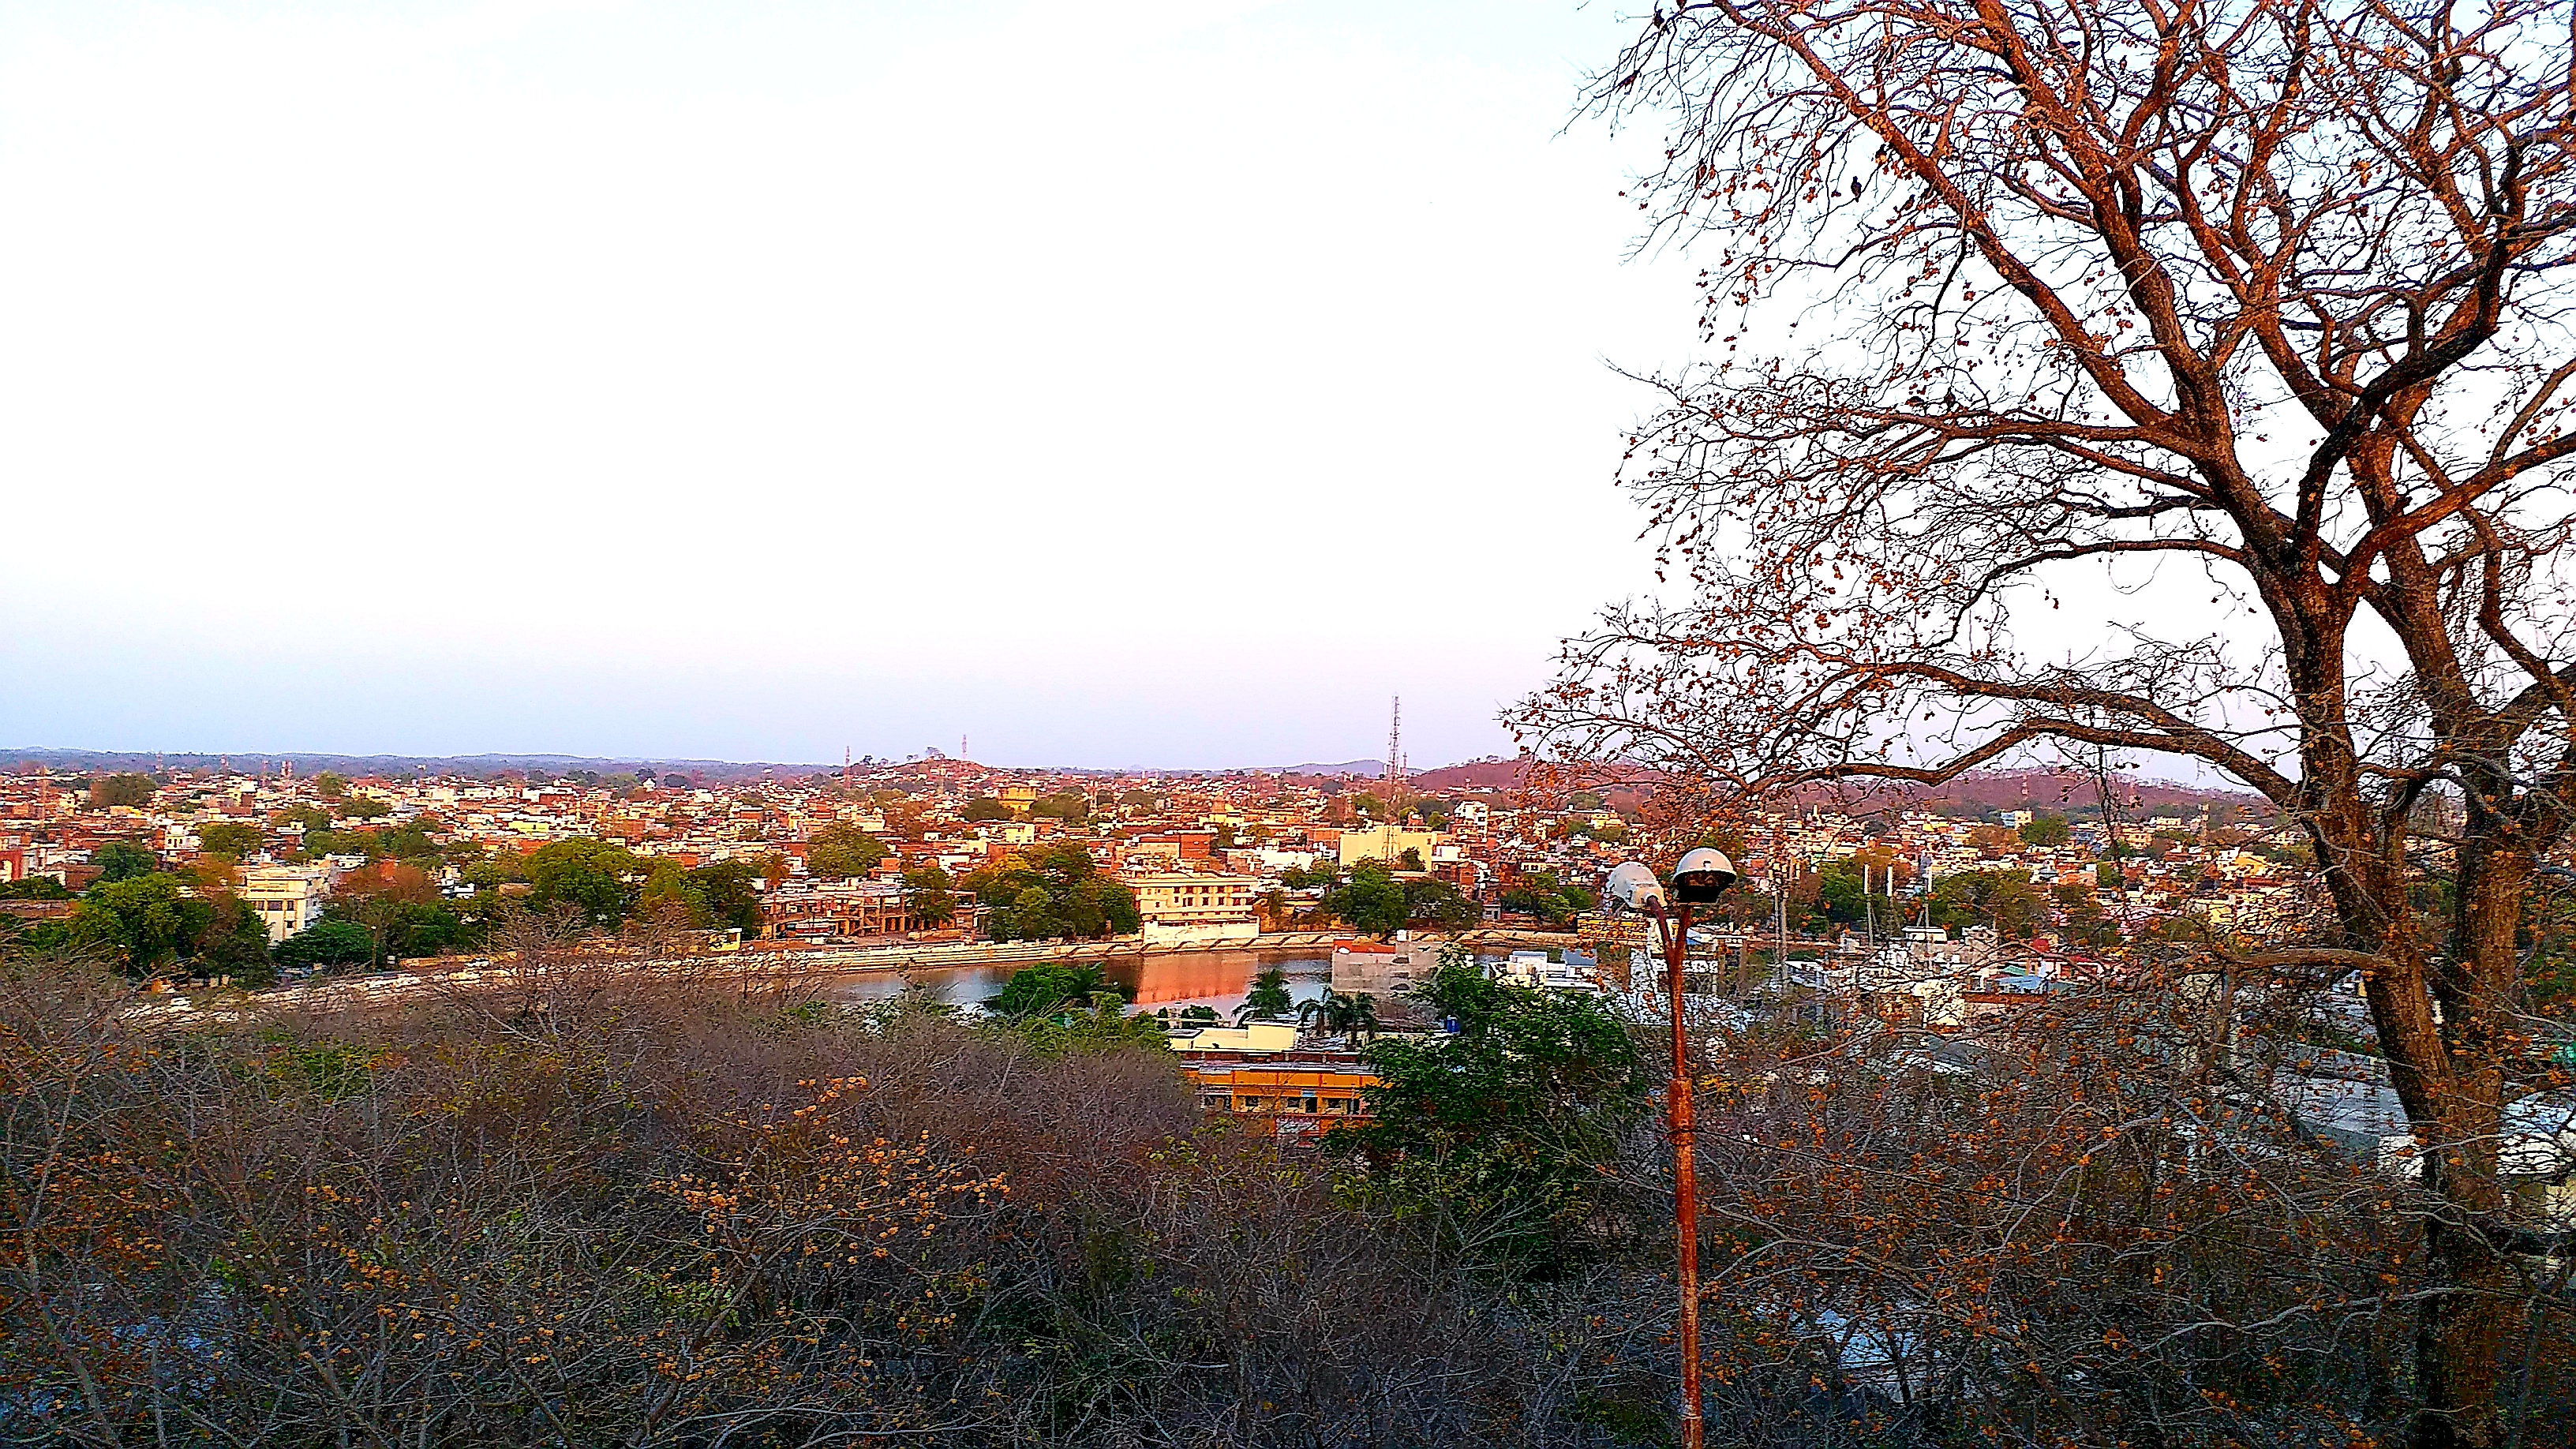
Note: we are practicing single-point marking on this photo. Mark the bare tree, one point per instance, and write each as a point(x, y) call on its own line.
point(2243, 327)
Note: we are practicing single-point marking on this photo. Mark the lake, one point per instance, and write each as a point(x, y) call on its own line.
point(1216, 979)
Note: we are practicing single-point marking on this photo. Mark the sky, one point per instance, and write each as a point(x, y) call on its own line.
point(1142, 382)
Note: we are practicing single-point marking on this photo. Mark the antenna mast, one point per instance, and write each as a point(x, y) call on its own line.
point(1395, 760)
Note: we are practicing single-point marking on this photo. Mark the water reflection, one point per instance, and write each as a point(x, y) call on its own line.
point(1217, 979)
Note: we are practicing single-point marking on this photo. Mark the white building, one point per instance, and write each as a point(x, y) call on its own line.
point(287, 898)
point(1176, 906)
point(1383, 969)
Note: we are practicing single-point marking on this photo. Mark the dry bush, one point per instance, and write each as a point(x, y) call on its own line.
point(2092, 1221)
point(591, 1203)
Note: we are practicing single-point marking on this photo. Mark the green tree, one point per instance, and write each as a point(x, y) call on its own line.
point(1323, 873)
point(1504, 1136)
point(1049, 988)
point(34, 888)
point(667, 889)
point(1341, 1015)
point(1541, 894)
point(420, 928)
point(1268, 998)
point(2004, 899)
point(1371, 900)
point(328, 942)
point(122, 860)
point(1839, 891)
point(310, 817)
point(1056, 891)
point(728, 891)
point(841, 850)
point(597, 879)
point(408, 841)
point(1410, 859)
point(2045, 830)
point(235, 944)
point(1070, 805)
point(927, 896)
point(108, 791)
point(365, 807)
point(1436, 905)
point(148, 921)
point(231, 837)
point(986, 808)
point(330, 786)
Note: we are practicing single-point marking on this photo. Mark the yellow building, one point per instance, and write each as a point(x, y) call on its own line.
point(1180, 899)
point(1300, 1099)
point(1387, 843)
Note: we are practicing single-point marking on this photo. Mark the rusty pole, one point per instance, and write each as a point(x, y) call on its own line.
point(1676, 931)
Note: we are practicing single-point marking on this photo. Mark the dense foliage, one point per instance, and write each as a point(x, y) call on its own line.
point(839, 851)
point(1505, 1132)
point(1375, 899)
point(1052, 892)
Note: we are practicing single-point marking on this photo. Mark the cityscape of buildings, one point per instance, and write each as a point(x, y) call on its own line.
point(1208, 858)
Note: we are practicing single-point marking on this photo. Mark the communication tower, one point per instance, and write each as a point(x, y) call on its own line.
point(1395, 761)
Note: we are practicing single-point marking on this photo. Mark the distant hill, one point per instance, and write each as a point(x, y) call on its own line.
point(2040, 789)
point(1985, 790)
point(1474, 775)
point(1981, 790)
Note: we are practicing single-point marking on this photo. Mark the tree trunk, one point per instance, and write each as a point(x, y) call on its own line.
point(2448, 1077)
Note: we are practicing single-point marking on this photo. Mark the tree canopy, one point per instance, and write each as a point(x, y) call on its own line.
point(841, 850)
point(328, 943)
point(231, 837)
point(928, 896)
point(122, 860)
point(146, 921)
point(108, 791)
point(1372, 900)
point(1050, 987)
point(596, 879)
point(1268, 997)
point(1055, 891)
point(1503, 1135)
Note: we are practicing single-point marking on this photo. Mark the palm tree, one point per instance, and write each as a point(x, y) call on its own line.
point(1342, 1015)
point(1268, 997)
point(1363, 1015)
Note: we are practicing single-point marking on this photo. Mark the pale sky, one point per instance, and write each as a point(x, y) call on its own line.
point(1128, 382)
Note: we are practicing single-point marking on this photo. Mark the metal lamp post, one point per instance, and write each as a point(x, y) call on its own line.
point(1702, 876)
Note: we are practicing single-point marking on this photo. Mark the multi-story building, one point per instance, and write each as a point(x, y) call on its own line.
point(1387, 845)
point(287, 898)
point(1383, 969)
point(1175, 906)
point(1301, 1099)
point(847, 909)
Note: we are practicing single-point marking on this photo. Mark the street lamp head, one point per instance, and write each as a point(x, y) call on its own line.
point(1634, 886)
point(1702, 876)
